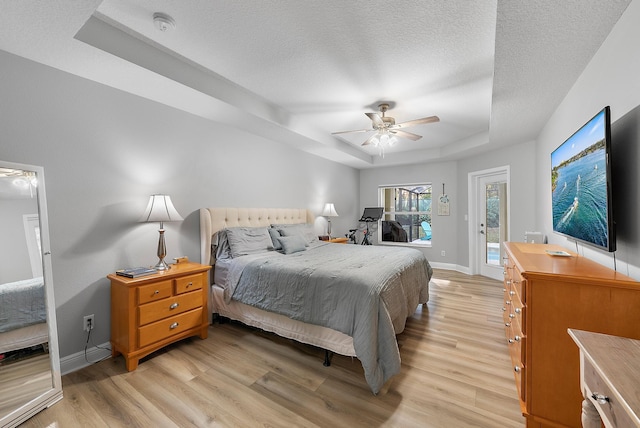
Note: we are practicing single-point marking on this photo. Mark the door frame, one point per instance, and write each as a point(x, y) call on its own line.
point(474, 213)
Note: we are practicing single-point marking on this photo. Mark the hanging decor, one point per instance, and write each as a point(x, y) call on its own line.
point(443, 203)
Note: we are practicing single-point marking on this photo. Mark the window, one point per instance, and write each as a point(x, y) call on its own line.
point(407, 214)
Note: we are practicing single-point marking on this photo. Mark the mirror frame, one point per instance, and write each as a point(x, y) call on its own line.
point(49, 397)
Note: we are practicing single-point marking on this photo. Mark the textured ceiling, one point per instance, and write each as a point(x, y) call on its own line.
point(493, 71)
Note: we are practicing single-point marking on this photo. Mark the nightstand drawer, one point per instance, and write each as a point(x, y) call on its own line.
point(188, 283)
point(156, 311)
point(152, 292)
point(612, 410)
point(168, 327)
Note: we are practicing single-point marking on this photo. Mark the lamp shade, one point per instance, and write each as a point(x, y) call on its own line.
point(160, 209)
point(329, 210)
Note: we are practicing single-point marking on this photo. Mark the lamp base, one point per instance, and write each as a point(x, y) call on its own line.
point(162, 265)
point(162, 251)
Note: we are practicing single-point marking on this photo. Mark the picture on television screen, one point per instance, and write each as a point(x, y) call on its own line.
point(580, 184)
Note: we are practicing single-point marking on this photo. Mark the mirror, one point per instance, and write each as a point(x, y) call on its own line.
point(29, 359)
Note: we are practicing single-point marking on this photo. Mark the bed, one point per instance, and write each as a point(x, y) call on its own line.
point(351, 303)
point(22, 315)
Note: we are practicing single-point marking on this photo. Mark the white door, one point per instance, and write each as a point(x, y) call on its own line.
point(488, 221)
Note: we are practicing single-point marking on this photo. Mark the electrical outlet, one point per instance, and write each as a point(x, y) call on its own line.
point(443, 253)
point(87, 323)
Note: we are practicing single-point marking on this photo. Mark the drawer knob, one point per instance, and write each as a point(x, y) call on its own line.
point(511, 316)
point(600, 398)
point(517, 310)
point(512, 293)
point(507, 324)
point(174, 305)
point(504, 290)
point(511, 340)
point(516, 369)
point(504, 309)
point(517, 338)
point(189, 284)
point(174, 325)
point(508, 302)
point(156, 292)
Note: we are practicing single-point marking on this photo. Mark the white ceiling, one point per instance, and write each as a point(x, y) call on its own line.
point(292, 71)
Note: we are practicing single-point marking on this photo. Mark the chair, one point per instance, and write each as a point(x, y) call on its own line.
point(427, 231)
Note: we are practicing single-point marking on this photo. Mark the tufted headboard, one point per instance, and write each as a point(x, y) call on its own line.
point(215, 219)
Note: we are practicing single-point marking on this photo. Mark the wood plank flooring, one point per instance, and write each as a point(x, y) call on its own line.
point(455, 373)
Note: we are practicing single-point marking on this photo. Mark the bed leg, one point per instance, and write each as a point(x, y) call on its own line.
point(327, 358)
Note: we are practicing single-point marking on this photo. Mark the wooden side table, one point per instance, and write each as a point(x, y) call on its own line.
point(339, 240)
point(609, 379)
point(150, 312)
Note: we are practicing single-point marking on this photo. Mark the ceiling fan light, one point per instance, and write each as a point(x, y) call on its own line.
point(384, 139)
point(393, 140)
point(375, 141)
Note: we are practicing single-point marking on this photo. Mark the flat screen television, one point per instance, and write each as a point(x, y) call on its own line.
point(581, 193)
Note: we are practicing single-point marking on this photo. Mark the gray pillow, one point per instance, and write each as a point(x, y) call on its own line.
point(292, 244)
point(307, 231)
point(275, 238)
point(248, 240)
point(221, 245)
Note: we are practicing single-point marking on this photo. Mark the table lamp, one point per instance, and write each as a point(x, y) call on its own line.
point(161, 209)
point(328, 212)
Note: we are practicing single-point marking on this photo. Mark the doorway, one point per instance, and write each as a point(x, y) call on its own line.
point(488, 220)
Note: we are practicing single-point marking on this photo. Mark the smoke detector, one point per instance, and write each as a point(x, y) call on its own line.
point(163, 22)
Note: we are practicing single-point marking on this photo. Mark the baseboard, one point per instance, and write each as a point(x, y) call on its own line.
point(450, 266)
point(77, 361)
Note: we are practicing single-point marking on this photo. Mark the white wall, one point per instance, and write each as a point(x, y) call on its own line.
point(521, 161)
point(611, 78)
point(451, 233)
point(14, 258)
point(444, 227)
point(105, 151)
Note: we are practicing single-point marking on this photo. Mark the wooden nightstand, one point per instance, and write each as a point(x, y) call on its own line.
point(150, 312)
point(339, 240)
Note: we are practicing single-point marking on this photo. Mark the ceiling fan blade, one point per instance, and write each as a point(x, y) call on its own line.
point(430, 119)
point(375, 118)
point(346, 132)
point(369, 140)
point(405, 134)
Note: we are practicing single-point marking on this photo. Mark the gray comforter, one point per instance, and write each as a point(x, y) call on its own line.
point(366, 292)
point(22, 304)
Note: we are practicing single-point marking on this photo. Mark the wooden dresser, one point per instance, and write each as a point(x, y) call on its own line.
point(545, 295)
point(150, 312)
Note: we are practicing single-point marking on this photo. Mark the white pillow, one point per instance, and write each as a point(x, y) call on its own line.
point(248, 240)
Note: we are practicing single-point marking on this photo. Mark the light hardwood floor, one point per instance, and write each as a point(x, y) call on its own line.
point(455, 373)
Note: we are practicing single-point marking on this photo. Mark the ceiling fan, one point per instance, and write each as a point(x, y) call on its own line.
point(388, 129)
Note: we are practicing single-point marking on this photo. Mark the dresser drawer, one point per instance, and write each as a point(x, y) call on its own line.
point(188, 283)
point(153, 292)
point(611, 409)
point(168, 327)
point(516, 314)
point(156, 311)
point(517, 284)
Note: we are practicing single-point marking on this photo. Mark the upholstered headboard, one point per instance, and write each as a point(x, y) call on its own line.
point(215, 219)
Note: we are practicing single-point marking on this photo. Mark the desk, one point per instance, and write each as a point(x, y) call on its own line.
point(609, 379)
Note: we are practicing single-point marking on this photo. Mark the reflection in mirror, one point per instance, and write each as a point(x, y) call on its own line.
point(28, 373)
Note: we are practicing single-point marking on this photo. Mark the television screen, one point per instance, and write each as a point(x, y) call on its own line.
point(581, 184)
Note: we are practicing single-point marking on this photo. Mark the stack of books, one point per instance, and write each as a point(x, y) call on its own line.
point(136, 272)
